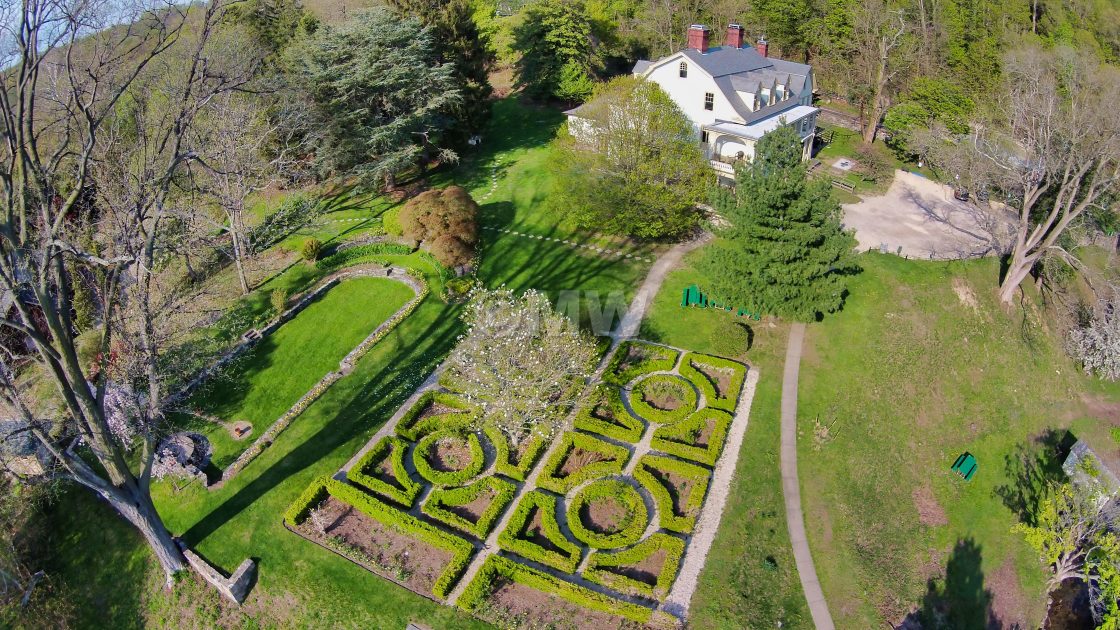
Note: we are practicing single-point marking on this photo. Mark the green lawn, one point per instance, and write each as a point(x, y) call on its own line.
point(260, 386)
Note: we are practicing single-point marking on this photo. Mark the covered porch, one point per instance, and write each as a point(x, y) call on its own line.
point(726, 143)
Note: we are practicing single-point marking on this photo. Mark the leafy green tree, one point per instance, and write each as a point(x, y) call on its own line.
point(786, 23)
point(785, 252)
point(274, 23)
point(632, 164)
point(552, 35)
point(929, 103)
point(575, 85)
point(376, 93)
point(461, 44)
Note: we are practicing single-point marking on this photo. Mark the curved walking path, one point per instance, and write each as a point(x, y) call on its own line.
point(791, 489)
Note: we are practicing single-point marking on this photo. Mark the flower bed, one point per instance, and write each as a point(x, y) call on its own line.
point(607, 514)
point(560, 553)
point(506, 461)
point(634, 358)
point(415, 424)
point(675, 515)
point(562, 471)
point(699, 369)
point(617, 569)
point(699, 437)
point(427, 450)
point(606, 415)
point(402, 489)
point(446, 505)
point(663, 399)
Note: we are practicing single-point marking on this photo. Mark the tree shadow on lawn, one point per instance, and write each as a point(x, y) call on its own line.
point(368, 409)
point(960, 600)
point(1032, 468)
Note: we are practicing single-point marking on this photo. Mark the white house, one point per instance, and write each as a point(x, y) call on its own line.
point(733, 94)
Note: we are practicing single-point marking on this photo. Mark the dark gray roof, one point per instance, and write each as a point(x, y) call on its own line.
point(722, 61)
point(641, 66)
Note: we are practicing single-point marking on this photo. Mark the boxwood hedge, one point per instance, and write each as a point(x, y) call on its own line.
point(630, 527)
point(623, 369)
point(606, 401)
point(308, 500)
point(680, 439)
point(602, 566)
point(409, 525)
point(405, 489)
point(730, 399)
point(662, 416)
point(441, 502)
point(496, 568)
point(411, 427)
point(672, 519)
point(505, 461)
point(566, 555)
point(459, 477)
point(611, 460)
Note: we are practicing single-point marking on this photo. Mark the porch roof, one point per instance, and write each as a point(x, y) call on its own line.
point(757, 129)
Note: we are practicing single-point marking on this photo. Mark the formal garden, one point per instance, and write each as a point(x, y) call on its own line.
point(592, 527)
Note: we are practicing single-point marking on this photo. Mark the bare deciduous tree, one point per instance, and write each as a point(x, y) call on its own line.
point(881, 54)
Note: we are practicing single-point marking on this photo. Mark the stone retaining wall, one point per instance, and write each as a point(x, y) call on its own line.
point(234, 588)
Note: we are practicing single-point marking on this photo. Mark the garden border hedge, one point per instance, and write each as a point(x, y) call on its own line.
point(308, 500)
point(397, 450)
point(503, 450)
point(409, 525)
point(618, 456)
point(510, 540)
point(674, 551)
point(455, 477)
point(409, 431)
point(726, 403)
point(633, 526)
point(669, 519)
point(658, 416)
point(609, 395)
point(646, 366)
point(440, 499)
point(667, 438)
point(481, 587)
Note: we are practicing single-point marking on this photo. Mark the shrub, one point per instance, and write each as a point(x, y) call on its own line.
point(446, 220)
point(311, 249)
point(682, 439)
point(611, 460)
point(497, 568)
point(663, 385)
point(601, 562)
point(672, 519)
point(374, 252)
point(730, 336)
point(405, 490)
point(410, 526)
point(279, 300)
point(450, 251)
point(412, 427)
point(504, 463)
point(512, 537)
point(458, 289)
point(391, 221)
point(631, 526)
point(605, 414)
point(425, 448)
point(633, 358)
point(440, 500)
point(729, 400)
point(1097, 345)
point(307, 501)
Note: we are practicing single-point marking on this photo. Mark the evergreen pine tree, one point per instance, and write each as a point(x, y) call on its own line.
point(784, 253)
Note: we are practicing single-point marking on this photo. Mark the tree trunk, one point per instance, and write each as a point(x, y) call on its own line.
point(875, 112)
point(238, 255)
point(1017, 271)
point(139, 510)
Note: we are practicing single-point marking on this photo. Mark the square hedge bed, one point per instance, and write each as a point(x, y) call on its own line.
point(582, 536)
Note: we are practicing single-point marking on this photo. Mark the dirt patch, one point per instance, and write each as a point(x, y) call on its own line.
point(930, 511)
point(605, 515)
point(680, 488)
point(473, 511)
point(1102, 408)
point(534, 532)
point(383, 550)
point(1008, 601)
point(579, 458)
point(518, 606)
point(720, 378)
point(965, 295)
point(645, 571)
point(450, 454)
point(240, 429)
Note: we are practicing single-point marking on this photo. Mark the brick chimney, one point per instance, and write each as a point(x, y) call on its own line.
point(734, 38)
point(762, 45)
point(698, 36)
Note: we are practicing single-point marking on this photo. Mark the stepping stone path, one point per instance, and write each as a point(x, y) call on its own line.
point(573, 244)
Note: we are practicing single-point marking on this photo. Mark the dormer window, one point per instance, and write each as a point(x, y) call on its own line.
point(684, 70)
point(709, 101)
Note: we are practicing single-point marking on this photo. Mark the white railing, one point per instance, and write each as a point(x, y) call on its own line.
point(723, 167)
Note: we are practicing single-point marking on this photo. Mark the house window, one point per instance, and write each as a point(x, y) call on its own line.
point(703, 137)
point(709, 101)
point(684, 69)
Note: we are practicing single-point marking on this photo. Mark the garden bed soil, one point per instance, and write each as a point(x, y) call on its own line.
point(384, 471)
point(520, 606)
point(473, 511)
point(421, 563)
point(450, 454)
point(605, 515)
point(720, 378)
point(680, 488)
point(534, 533)
point(645, 571)
point(705, 433)
point(578, 458)
point(434, 408)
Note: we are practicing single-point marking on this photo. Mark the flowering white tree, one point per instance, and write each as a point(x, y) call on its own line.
point(1097, 345)
point(520, 361)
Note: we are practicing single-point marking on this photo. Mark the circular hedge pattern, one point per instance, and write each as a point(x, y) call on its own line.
point(425, 449)
point(656, 386)
point(630, 526)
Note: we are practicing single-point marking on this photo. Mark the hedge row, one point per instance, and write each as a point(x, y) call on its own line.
point(613, 461)
point(425, 447)
point(360, 254)
point(497, 568)
point(441, 503)
point(505, 463)
point(405, 490)
point(730, 400)
point(656, 359)
point(622, 425)
point(672, 519)
point(512, 537)
point(661, 416)
point(680, 439)
point(632, 525)
point(308, 500)
point(410, 526)
point(411, 428)
point(601, 563)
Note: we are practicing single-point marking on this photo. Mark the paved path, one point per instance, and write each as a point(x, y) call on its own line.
point(632, 320)
point(791, 489)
